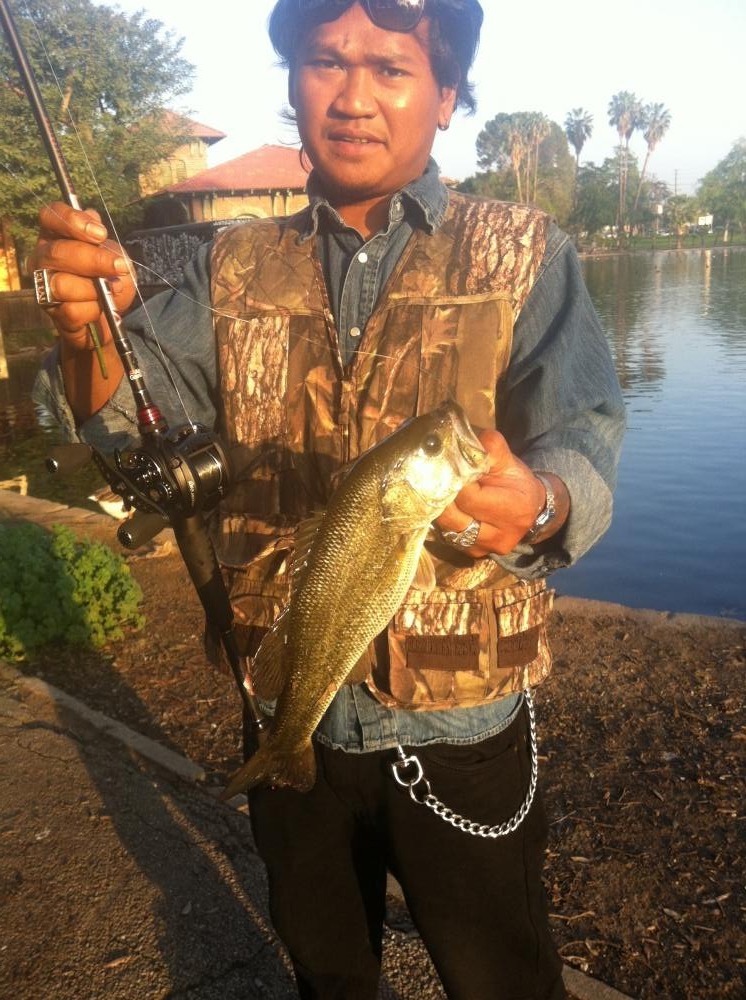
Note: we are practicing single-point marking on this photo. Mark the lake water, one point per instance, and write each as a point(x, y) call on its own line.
point(676, 323)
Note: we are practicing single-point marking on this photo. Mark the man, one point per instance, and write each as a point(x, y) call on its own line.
point(308, 339)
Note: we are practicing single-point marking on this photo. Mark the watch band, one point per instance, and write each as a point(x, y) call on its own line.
point(547, 513)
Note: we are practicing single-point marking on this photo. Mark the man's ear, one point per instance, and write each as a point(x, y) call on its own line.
point(291, 87)
point(448, 96)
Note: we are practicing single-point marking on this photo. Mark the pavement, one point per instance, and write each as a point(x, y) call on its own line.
point(121, 875)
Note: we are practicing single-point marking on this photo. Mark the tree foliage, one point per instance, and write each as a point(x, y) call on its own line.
point(656, 120)
point(723, 190)
point(578, 128)
point(104, 77)
point(596, 197)
point(525, 158)
point(626, 115)
point(514, 139)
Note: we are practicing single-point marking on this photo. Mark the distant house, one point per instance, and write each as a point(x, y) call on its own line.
point(189, 157)
point(268, 181)
point(178, 218)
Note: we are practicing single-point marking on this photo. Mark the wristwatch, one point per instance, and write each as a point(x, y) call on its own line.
point(547, 513)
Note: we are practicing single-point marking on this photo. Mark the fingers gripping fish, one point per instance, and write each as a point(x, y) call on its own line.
point(353, 565)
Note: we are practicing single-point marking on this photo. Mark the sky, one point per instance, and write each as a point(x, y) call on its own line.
point(545, 56)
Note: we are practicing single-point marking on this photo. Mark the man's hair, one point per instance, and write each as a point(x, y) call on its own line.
point(454, 37)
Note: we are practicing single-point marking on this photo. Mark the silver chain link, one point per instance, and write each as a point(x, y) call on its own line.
point(425, 797)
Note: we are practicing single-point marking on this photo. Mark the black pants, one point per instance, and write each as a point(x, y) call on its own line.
point(478, 904)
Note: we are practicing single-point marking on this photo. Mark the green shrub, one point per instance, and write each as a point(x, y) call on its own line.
point(54, 588)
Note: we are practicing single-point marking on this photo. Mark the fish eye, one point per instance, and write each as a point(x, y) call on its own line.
point(432, 444)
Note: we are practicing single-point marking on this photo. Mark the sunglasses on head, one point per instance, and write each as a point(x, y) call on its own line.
point(391, 15)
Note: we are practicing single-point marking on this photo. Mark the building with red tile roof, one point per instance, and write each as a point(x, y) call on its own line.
point(267, 181)
point(188, 158)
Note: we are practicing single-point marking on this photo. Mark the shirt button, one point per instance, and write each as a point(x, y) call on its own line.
point(362, 257)
point(355, 331)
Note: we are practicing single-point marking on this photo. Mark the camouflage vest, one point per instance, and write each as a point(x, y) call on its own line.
point(295, 415)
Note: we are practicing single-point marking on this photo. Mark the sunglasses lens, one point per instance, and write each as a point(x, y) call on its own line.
point(396, 15)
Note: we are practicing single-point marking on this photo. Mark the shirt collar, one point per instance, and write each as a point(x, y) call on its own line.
point(423, 201)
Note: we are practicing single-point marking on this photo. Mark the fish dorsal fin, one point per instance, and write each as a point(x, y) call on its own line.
point(268, 670)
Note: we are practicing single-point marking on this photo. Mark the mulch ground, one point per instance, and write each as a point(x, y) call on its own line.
point(642, 742)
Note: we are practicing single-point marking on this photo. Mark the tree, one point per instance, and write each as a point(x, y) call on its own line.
point(680, 211)
point(556, 175)
point(501, 144)
point(655, 122)
point(514, 139)
point(723, 190)
point(104, 77)
point(578, 128)
point(625, 114)
point(525, 158)
point(537, 128)
point(596, 197)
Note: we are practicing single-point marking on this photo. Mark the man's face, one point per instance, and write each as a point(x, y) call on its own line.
point(367, 105)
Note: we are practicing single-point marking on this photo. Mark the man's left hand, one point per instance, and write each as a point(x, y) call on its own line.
point(506, 501)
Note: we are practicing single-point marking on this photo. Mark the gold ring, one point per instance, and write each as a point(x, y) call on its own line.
point(43, 289)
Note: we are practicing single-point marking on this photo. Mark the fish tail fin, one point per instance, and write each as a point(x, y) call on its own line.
point(296, 770)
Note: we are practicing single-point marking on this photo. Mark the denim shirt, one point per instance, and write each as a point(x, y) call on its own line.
point(560, 408)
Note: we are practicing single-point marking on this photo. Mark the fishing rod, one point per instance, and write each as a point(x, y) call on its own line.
point(175, 476)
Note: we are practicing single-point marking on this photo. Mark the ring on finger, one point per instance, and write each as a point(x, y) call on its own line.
point(43, 288)
point(463, 539)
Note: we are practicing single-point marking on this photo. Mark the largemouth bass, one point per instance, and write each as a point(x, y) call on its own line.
point(352, 567)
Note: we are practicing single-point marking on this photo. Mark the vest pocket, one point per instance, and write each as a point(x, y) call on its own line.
point(463, 648)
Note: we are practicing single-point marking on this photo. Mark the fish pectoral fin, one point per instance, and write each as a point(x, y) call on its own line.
point(269, 667)
point(305, 535)
point(424, 575)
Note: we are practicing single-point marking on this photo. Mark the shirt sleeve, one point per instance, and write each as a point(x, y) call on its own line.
point(174, 343)
point(561, 408)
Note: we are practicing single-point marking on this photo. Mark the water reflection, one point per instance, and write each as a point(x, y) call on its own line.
point(623, 290)
point(676, 322)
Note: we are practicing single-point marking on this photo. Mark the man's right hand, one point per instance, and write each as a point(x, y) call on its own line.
point(74, 248)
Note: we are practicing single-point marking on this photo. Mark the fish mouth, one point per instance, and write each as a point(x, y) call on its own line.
point(470, 447)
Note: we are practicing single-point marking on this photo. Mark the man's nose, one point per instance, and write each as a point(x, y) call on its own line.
point(355, 98)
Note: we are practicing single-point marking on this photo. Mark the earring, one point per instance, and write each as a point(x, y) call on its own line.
point(444, 126)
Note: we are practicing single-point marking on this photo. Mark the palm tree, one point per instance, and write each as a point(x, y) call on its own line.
point(537, 128)
point(518, 149)
point(578, 128)
point(625, 114)
point(656, 120)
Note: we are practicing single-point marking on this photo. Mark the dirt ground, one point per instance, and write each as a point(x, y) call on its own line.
point(642, 740)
